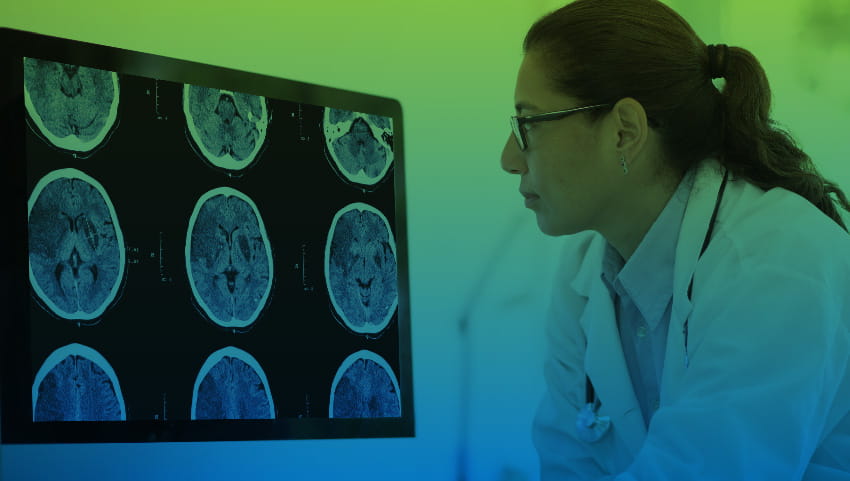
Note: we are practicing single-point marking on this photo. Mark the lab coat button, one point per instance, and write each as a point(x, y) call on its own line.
point(655, 406)
point(641, 332)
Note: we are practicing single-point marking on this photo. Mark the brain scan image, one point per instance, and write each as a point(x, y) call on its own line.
point(232, 385)
point(229, 258)
point(360, 145)
point(76, 383)
point(229, 128)
point(74, 107)
point(365, 387)
point(76, 248)
point(360, 268)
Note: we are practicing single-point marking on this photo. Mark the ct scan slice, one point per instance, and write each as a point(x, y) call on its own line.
point(229, 258)
point(361, 269)
point(76, 248)
point(365, 387)
point(76, 383)
point(74, 107)
point(229, 128)
point(232, 385)
point(359, 145)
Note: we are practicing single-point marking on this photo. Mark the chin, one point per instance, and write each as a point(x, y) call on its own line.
point(555, 230)
point(547, 228)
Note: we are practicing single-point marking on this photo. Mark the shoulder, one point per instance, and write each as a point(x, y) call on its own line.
point(779, 226)
point(773, 280)
point(775, 259)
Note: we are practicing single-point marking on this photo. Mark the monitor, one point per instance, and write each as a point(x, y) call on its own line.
point(197, 253)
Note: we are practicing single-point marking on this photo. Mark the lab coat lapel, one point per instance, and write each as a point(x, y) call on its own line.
point(707, 179)
point(604, 362)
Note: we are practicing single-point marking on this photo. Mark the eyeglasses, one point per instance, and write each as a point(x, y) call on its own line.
point(517, 121)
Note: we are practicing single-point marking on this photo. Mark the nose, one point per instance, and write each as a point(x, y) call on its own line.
point(513, 162)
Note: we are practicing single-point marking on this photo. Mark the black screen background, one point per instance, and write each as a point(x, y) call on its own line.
point(154, 335)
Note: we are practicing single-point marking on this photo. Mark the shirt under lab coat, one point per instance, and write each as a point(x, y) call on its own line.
point(766, 395)
point(642, 292)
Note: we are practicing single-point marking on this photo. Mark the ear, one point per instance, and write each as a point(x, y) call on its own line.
point(629, 119)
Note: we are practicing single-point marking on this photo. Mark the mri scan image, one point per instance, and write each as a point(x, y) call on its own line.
point(359, 145)
point(229, 128)
point(365, 387)
point(74, 107)
point(232, 385)
point(229, 258)
point(361, 269)
point(76, 248)
point(76, 383)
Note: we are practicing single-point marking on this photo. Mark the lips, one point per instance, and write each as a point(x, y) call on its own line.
point(530, 199)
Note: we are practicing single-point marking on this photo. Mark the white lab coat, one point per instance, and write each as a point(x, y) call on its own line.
point(767, 393)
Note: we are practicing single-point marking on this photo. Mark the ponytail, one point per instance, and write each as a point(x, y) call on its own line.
point(760, 151)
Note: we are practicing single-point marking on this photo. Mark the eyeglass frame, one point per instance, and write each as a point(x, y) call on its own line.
point(517, 121)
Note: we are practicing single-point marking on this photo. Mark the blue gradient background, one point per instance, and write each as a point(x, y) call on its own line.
point(473, 247)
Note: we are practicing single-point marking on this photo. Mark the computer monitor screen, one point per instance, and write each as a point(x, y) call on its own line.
point(197, 253)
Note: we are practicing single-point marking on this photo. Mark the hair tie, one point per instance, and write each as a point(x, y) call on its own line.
point(717, 60)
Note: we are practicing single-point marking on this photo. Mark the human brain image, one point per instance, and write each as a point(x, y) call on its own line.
point(365, 387)
point(360, 145)
point(76, 248)
point(229, 128)
point(229, 258)
point(361, 268)
point(232, 385)
point(76, 383)
point(74, 107)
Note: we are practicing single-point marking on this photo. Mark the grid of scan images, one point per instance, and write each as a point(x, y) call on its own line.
point(204, 254)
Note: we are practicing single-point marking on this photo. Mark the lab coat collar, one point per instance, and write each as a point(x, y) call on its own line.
point(604, 362)
point(707, 180)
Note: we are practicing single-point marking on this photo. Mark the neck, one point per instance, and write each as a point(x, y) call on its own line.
point(634, 212)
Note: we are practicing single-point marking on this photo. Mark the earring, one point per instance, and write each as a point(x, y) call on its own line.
point(623, 163)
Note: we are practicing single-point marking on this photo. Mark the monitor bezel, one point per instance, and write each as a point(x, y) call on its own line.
point(16, 425)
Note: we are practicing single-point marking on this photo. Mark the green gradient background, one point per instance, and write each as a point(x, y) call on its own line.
point(473, 247)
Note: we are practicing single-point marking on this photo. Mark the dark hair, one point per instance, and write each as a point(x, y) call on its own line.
point(603, 50)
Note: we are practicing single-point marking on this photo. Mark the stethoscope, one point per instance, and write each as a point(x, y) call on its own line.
point(590, 425)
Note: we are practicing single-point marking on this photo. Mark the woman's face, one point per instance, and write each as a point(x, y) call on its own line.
point(569, 170)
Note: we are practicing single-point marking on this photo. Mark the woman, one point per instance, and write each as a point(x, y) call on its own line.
point(700, 323)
